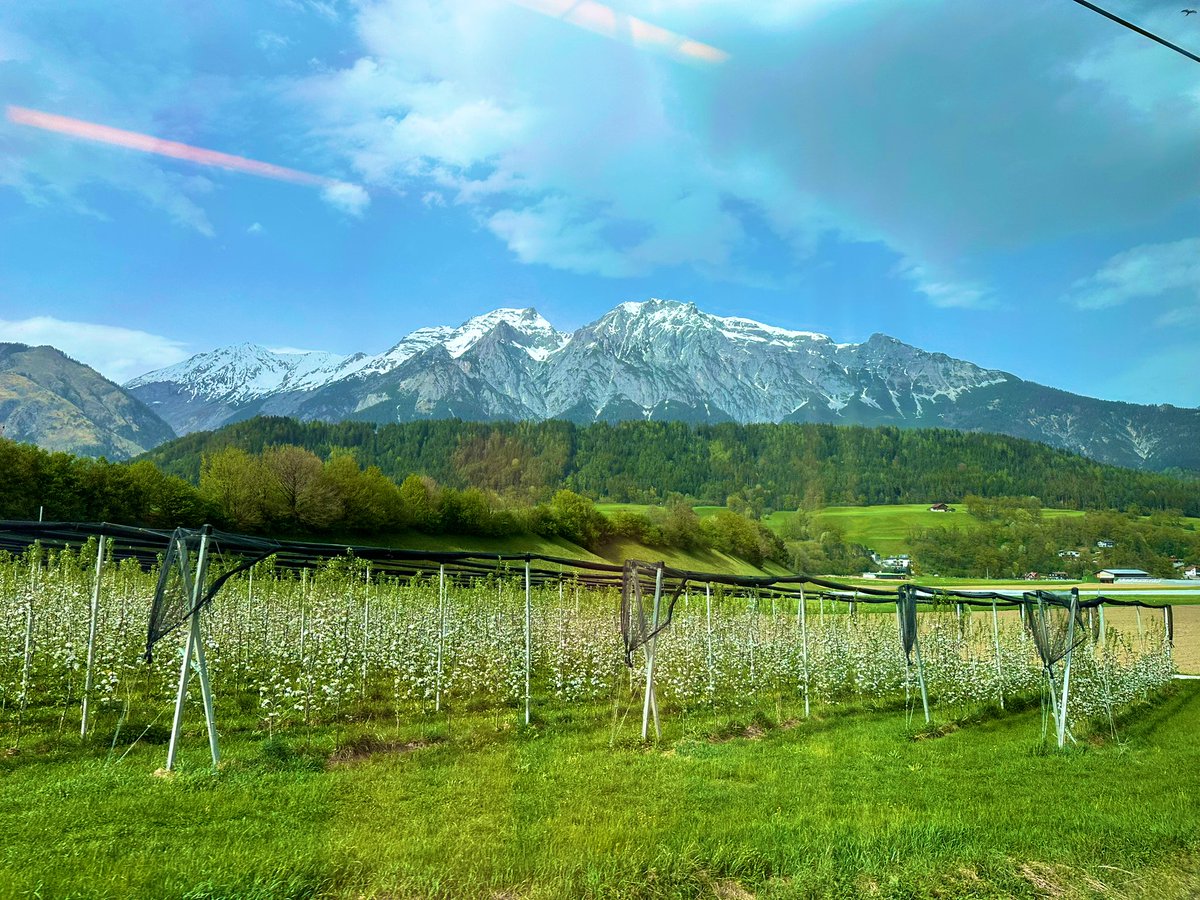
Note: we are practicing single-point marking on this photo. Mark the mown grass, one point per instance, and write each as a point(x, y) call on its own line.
point(886, 528)
point(855, 802)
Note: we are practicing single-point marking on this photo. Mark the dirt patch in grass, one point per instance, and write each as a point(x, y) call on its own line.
point(727, 889)
point(1060, 882)
point(936, 731)
point(360, 749)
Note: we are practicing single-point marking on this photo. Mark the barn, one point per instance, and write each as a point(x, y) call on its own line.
point(1110, 576)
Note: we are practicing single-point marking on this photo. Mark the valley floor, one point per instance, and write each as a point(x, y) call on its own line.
point(854, 802)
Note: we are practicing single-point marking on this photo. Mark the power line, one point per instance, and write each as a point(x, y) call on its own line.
point(1142, 31)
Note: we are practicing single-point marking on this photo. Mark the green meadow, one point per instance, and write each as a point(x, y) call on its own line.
point(857, 801)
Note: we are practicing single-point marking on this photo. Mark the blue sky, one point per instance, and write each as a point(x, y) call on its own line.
point(1013, 184)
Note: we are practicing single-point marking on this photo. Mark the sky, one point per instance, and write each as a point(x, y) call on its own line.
point(1016, 184)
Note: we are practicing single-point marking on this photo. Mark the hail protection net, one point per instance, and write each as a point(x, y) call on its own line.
point(639, 585)
point(1050, 623)
point(177, 597)
point(174, 595)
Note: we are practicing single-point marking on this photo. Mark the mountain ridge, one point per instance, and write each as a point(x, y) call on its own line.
point(60, 404)
point(660, 359)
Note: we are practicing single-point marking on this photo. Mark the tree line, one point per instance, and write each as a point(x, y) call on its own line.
point(286, 489)
point(769, 466)
point(1011, 537)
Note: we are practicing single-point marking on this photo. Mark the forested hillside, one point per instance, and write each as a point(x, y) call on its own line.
point(770, 466)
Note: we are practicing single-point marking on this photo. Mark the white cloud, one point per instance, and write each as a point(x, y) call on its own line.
point(945, 131)
point(944, 292)
point(255, 228)
point(349, 198)
point(271, 42)
point(1179, 317)
point(119, 354)
point(1142, 273)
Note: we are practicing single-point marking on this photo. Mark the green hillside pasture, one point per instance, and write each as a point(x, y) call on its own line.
point(885, 529)
point(616, 551)
point(693, 560)
point(856, 803)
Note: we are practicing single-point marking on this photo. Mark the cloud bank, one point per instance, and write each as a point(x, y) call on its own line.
point(119, 354)
point(946, 131)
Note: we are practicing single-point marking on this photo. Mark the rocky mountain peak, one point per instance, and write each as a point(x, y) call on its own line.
point(654, 358)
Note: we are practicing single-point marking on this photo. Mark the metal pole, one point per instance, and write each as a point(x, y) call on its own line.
point(366, 628)
point(650, 702)
point(921, 674)
point(1062, 709)
point(93, 615)
point(188, 650)
point(27, 665)
point(528, 640)
point(996, 638)
point(900, 631)
point(708, 628)
point(210, 717)
point(804, 645)
point(437, 690)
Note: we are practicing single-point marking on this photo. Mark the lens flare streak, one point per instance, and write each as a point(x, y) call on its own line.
point(603, 19)
point(144, 143)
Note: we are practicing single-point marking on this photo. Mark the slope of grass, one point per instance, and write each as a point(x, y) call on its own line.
point(886, 528)
point(616, 551)
point(854, 802)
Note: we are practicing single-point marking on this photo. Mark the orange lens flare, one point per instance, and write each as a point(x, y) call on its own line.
point(603, 19)
point(144, 143)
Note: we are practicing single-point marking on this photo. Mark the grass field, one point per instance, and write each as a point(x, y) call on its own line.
point(886, 528)
point(855, 804)
point(615, 552)
point(372, 749)
point(883, 528)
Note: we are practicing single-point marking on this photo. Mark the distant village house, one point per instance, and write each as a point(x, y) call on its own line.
point(941, 507)
point(1105, 544)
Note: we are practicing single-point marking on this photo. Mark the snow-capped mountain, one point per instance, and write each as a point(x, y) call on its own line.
point(657, 359)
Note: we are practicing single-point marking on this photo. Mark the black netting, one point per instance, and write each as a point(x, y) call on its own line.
point(1049, 619)
point(906, 606)
point(176, 597)
point(638, 586)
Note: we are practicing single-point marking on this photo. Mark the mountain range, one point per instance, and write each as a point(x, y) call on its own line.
point(659, 359)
